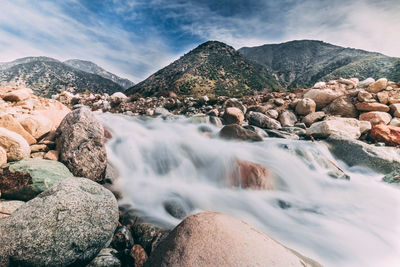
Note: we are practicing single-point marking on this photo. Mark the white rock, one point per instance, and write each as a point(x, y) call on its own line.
point(346, 127)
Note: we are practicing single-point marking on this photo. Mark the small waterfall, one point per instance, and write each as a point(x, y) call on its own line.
point(175, 166)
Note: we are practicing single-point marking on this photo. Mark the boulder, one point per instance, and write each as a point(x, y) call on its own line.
point(383, 97)
point(272, 113)
point(215, 239)
point(3, 156)
point(260, 120)
point(367, 82)
point(287, 119)
point(372, 106)
point(14, 144)
point(81, 144)
point(36, 125)
point(342, 106)
point(250, 175)
point(320, 85)
point(139, 256)
point(8, 207)
point(313, 117)
point(364, 96)
point(395, 122)
point(118, 97)
point(55, 112)
point(237, 132)
point(18, 95)
point(233, 115)
point(234, 103)
point(358, 153)
point(376, 117)
point(322, 97)
point(351, 83)
point(25, 179)
point(378, 86)
point(305, 106)
point(395, 108)
point(388, 134)
point(51, 155)
point(68, 225)
point(347, 127)
point(107, 257)
point(7, 121)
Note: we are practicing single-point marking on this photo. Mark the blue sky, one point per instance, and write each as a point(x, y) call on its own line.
point(134, 38)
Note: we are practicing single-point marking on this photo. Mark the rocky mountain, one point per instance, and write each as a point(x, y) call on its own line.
point(47, 76)
point(212, 68)
point(302, 63)
point(93, 68)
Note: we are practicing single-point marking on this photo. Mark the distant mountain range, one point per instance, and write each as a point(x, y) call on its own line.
point(302, 63)
point(212, 68)
point(47, 76)
point(215, 68)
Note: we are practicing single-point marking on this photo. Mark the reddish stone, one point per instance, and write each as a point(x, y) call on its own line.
point(139, 255)
point(251, 175)
point(388, 134)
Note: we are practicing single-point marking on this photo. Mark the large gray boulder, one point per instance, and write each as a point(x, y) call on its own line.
point(66, 225)
point(81, 144)
point(216, 239)
point(358, 153)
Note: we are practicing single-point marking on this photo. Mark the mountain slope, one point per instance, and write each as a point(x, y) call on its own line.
point(91, 67)
point(302, 63)
point(47, 76)
point(212, 68)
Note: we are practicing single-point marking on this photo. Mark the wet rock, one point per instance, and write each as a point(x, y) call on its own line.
point(138, 255)
point(388, 134)
point(215, 239)
point(8, 122)
point(376, 117)
point(122, 239)
point(25, 179)
point(14, 144)
point(372, 106)
point(260, 120)
point(313, 117)
point(287, 119)
point(378, 86)
point(305, 106)
point(392, 178)
point(294, 130)
point(282, 134)
point(81, 145)
point(77, 217)
point(178, 207)
point(342, 106)
point(107, 257)
point(347, 127)
point(250, 175)
point(233, 115)
point(358, 153)
point(237, 132)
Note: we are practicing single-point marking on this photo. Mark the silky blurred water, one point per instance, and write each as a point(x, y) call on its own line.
point(337, 222)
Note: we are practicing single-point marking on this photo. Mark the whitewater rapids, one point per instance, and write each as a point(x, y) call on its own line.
point(336, 222)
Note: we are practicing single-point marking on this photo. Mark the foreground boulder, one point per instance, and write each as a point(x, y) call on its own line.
point(341, 126)
point(81, 144)
point(388, 134)
point(14, 144)
point(8, 207)
point(358, 153)
point(27, 178)
point(215, 239)
point(68, 225)
point(237, 132)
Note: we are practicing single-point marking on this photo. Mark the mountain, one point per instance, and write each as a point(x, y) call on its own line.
point(47, 76)
point(91, 67)
point(213, 68)
point(302, 63)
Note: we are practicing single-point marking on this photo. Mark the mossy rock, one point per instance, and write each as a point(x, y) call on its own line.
point(25, 179)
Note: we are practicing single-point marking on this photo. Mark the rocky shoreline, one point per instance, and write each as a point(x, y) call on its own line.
point(49, 217)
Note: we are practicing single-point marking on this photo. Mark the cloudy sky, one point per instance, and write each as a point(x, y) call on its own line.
point(134, 38)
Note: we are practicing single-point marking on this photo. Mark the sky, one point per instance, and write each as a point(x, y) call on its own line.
point(135, 38)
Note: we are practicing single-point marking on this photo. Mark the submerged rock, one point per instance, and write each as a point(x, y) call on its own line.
point(25, 179)
point(250, 175)
point(81, 145)
point(216, 239)
point(68, 225)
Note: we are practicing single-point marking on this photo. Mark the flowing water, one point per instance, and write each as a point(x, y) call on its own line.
point(337, 222)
